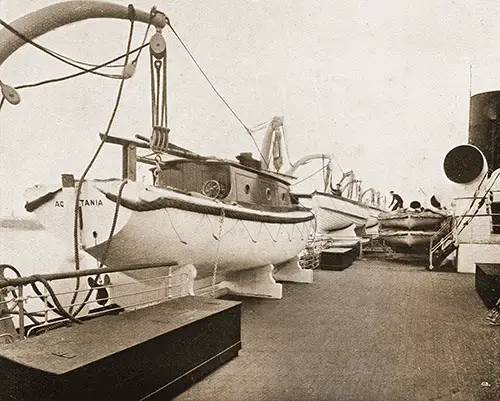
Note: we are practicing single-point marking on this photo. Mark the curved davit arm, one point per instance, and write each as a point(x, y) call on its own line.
point(52, 17)
point(307, 159)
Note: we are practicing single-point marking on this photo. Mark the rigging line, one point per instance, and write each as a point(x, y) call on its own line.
point(82, 62)
point(217, 92)
point(338, 164)
point(261, 126)
point(66, 77)
point(89, 166)
point(309, 176)
point(143, 45)
point(286, 146)
point(48, 51)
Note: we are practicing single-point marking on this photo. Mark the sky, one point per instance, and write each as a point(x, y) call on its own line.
point(384, 86)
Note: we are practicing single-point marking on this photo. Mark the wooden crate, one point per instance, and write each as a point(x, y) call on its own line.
point(151, 353)
point(337, 258)
point(488, 283)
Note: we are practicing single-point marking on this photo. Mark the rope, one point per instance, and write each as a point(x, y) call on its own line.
point(108, 245)
point(48, 51)
point(309, 176)
point(66, 77)
point(261, 126)
point(14, 293)
point(89, 166)
point(58, 305)
point(217, 253)
point(83, 62)
point(217, 92)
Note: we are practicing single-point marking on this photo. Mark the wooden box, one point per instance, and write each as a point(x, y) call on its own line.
point(337, 258)
point(152, 353)
point(488, 283)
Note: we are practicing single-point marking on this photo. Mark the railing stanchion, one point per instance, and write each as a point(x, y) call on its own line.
point(20, 306)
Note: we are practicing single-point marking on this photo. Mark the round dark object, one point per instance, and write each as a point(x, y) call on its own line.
point(463, 164)
point(211, 188)
point(415, 205)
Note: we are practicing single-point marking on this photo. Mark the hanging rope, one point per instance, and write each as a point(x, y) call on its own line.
point(89, 166)
point(60, 309)
point(217, 92)
point(66, 77)
point(48, 51)
point(108, 245)
point(309, 176)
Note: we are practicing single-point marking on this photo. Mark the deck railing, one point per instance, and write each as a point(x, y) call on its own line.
point(447, 236)
point(27, 311)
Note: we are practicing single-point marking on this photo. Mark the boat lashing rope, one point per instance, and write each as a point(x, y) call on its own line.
point(233, 112)
point(217, 252)
point(76, 246)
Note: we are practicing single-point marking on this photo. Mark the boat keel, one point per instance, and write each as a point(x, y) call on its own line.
point(258, 282)
point(291, 271)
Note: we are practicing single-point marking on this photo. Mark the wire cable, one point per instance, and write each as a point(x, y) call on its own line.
point(309, 176)
point(49, 52)
point(218, 93)
point(66, 77)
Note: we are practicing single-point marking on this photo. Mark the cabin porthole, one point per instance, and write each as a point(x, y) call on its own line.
point(283, 196)
point(247, 189)
point(268, 194)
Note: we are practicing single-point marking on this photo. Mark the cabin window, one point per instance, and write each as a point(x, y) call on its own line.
point(283, 196)
point(268, 194)
point(247, 189)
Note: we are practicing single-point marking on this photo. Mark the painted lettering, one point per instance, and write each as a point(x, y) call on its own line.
point(91, 202)
point(83, 202)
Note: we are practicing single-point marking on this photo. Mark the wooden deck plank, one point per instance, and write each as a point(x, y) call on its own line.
point(380, 330)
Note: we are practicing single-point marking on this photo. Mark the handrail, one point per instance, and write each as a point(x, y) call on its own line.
point(465, 218)
point(20, 281)
point(109, 297)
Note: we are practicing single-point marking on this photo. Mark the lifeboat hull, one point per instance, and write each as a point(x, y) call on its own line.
point(156, 226)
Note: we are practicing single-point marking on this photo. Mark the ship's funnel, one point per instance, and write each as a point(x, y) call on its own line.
point(465, 164)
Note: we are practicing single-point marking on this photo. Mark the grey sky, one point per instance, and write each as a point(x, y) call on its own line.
point(383, 85)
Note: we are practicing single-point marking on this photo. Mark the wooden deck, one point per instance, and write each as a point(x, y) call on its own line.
point(378, 331)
